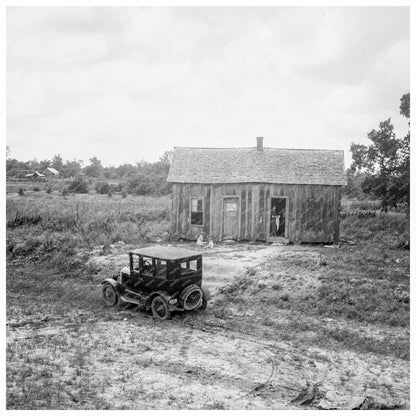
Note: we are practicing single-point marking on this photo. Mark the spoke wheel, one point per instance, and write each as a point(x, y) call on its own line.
point(160, 308)
point(109, 294)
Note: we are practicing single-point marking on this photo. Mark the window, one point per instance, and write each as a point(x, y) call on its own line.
point(190, 265)
point(154, 267)
point(147, 265)
point(161, 269)
point(135, 262)
point(197, 211)
point(231, 208)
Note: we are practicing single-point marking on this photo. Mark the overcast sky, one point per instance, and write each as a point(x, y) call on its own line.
point(126, 84)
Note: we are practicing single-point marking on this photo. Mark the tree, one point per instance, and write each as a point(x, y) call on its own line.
point(386, 162)
point(405, 105)
point(72, 168)
point(353, 189)
point(403, 181)
point(39, 166)
point(166, 158)
point(125, 170)
point(16, 168)
point(58, 163)
point(95, 169)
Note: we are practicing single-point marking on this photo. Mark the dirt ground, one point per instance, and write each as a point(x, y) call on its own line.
point(121, 358)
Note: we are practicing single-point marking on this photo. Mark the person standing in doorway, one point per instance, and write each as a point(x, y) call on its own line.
point(273, 229)
point(277, 224)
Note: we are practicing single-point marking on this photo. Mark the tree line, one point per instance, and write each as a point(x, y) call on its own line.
point(141, 178)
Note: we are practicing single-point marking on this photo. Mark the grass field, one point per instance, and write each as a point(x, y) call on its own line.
point(342, 301)
point(39, 223)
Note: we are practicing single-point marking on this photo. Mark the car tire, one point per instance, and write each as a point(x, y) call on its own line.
point(160, 308)
point(204, 305)
point(191, 297)
point(109, 293)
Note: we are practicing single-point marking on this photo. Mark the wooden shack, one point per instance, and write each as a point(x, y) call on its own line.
point(35, 176)
point(257, 193)
point(51, 173)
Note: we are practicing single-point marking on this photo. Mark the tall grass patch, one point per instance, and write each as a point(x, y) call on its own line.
point(361, 281)
point(89, 219)
point(390, 230)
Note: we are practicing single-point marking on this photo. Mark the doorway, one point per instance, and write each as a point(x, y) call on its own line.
point(278, 218)
point(230, 219)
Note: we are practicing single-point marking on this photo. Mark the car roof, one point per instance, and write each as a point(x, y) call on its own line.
point(166, 252)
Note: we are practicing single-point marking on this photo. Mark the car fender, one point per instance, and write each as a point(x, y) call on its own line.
point(164, 295)
point(112, 282)
point(206, 293)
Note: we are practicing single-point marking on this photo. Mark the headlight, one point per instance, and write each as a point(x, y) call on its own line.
point(172, 301)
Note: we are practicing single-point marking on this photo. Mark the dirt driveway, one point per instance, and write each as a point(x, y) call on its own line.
point(124, 359)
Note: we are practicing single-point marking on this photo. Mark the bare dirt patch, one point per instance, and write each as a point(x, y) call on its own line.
point(238, 354)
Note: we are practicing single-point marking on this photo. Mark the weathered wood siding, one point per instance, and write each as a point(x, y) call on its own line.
point(313, 210)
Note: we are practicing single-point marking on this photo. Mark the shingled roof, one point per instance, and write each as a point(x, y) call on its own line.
point(270, 165)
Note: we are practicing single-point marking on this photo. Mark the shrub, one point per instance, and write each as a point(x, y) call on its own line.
point(21, 192)
point(79, 185)
point(48, 189)
point(65, 191)
point(118, 187)
point(124, 194)
point(102, 187)
point(26, 248)
point(139, 185)
point(36, 189)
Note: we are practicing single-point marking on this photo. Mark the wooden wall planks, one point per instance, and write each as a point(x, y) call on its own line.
point(313, 210)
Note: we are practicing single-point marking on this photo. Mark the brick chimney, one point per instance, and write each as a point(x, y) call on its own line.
point(259, 144)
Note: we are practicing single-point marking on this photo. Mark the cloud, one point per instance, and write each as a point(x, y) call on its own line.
point(126, 84)
point(32, 21)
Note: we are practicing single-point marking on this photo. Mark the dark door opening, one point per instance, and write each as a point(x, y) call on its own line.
point(278, 217)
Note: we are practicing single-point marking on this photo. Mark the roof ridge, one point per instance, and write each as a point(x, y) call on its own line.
point(254, 147)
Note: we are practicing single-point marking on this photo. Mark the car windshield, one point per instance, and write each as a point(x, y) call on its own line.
point(135, 262)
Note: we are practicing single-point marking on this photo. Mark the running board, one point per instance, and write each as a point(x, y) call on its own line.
point(129, 299)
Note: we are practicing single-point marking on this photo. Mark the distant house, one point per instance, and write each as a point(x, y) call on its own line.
point(51, 173)
point(238, 193)
point(35, 175)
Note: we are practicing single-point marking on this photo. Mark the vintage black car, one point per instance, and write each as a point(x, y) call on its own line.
point(163, 279)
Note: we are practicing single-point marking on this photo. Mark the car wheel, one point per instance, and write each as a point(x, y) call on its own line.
point(160, 308)
point(110, 296)
point(191, 297)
